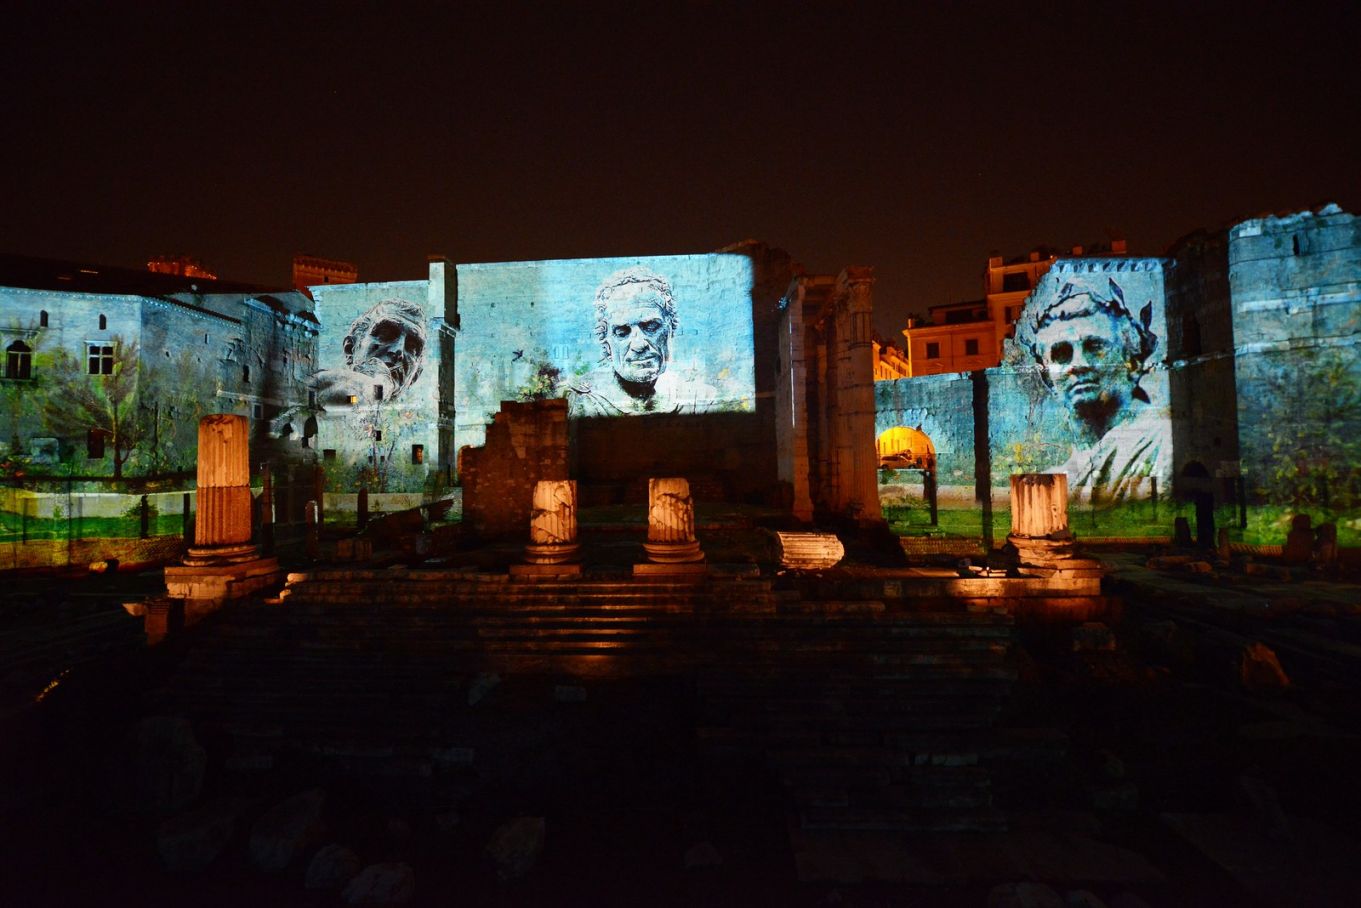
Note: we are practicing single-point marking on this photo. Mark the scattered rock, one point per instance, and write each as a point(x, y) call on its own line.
point(160, 768)
point(455, 758)
point(1260, 671)
point(191, 841)
point(482, 685)
point(702, 855)
point(332, 867)
point(398, 830)
point(285, 831)
point(1081, 898)
point(1128, 900)
point(381, 884)
point(515, 846)
point(1111, 766)
point(1024, 895)
point(569, 693)
point(1093, 637)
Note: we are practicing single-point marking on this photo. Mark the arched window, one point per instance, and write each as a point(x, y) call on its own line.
point(42, 318)
point(103, 322)
point(18, 361)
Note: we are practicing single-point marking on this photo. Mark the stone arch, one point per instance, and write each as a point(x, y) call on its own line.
point(903, 447)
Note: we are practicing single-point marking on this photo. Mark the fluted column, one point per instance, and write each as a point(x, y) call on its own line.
point(1039, 505)
point(222, 529)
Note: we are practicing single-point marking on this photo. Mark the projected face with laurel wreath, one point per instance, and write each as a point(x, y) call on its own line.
point(1094, 355)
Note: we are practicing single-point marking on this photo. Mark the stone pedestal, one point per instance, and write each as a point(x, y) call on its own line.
point(553, 548)
point(671, 545)
point(1040, 535)
point(222, 563)
point(809, 551)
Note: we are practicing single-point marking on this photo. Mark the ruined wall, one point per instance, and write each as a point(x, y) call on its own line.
point(526, 442)
point(1296, 288)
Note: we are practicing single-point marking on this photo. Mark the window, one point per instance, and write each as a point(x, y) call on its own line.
point(418, 453)
point(377, 392)
point(328, 454)
point(18, 361)
point(103, 322)
point(94, 444)
point(42, 319)
point(352, 399)
point(245, 373)
point(971, 347)
point(100, 359)
point(377, 434)
point(1016, 280)
point(933, 351)
point(259, 411)
point(311, 398)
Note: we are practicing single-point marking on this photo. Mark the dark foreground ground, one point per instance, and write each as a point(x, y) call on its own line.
point(1137, 767)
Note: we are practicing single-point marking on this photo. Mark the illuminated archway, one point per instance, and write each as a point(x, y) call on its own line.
point(906, 449)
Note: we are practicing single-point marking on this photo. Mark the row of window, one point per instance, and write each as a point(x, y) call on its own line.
point(417, 452)
point(970, 348)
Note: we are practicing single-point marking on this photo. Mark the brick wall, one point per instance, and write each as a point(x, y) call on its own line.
point(526, 442)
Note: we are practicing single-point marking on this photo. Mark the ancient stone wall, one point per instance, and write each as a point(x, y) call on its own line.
point(1201, 368)
point(1296, 287)
point(526, 442)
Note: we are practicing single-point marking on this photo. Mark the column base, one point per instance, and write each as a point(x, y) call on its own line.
point(222, 581)
point(553, 553)
point(673, 552)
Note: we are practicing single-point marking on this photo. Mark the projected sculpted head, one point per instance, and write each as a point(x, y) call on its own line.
point(388, 343)
point(635, 321)
point(635, 316)
point(1093, 354)
point(384, 352)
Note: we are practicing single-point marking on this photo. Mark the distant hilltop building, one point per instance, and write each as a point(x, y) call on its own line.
point(181, 265)
point(311, 270)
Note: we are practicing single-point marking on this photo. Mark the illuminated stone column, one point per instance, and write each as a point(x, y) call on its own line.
point(1039, 533)
point(855, 374)
point(222, 564)
point(222, 529)
point(553, 523)
point(1039, 505)
point(671, 522)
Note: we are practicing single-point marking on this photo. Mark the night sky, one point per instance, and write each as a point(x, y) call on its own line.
point(844, 133)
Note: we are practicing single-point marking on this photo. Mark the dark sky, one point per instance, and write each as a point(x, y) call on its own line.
point(913, 141)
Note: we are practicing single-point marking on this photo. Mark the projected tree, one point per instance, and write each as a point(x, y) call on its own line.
point(99, 400)
point(1313, 427)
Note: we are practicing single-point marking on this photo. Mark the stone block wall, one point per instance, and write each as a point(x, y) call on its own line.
point(526, 442)
point(1296, 290)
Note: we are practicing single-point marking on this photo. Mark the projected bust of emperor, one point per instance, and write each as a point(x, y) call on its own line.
point(1094, 353)
point(635, 319)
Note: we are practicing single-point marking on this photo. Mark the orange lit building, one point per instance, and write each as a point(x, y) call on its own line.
point(313, 270)
point(181, 265)
point(962, 337)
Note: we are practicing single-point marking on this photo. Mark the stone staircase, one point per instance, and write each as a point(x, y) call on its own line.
point(869, 715)
point(873, 719)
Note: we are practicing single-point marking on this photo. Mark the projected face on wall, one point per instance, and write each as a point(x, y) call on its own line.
point(384, 354)
point(1094, 354)
point(635, 319)
point(666, 334)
